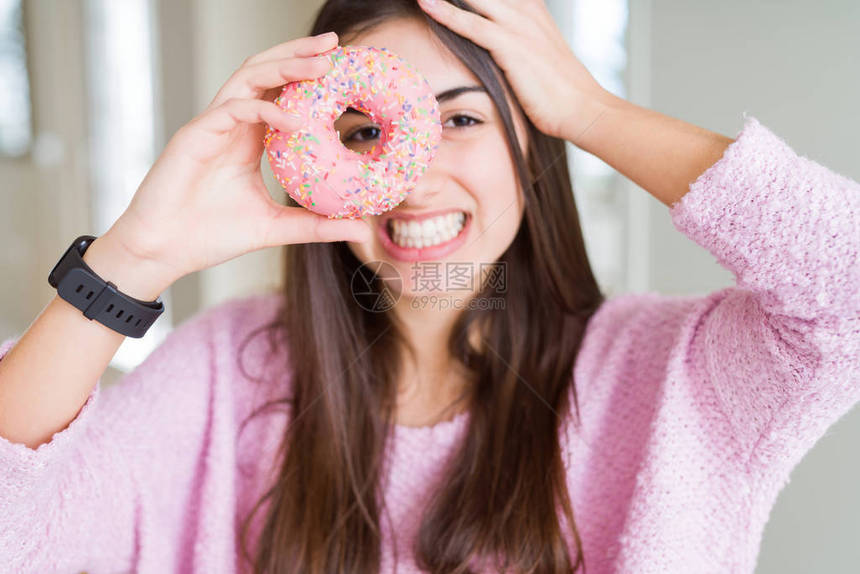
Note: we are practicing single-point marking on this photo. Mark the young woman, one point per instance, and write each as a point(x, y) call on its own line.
point(304, 432)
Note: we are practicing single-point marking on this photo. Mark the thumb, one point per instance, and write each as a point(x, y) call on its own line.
point(292, 225)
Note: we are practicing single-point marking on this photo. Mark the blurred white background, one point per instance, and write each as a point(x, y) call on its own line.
point(92, 90)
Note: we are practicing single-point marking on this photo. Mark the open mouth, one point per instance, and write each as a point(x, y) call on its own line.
point(427, 232)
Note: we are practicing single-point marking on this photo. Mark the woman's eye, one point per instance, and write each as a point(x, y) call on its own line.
point(364, 134)
point(372, 132)
point(462, 121)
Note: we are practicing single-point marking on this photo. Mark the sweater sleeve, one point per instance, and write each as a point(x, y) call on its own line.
point(125, 463)
point(781, 348)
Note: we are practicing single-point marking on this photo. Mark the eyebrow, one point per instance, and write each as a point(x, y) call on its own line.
point(456, 92)
point(441, 97)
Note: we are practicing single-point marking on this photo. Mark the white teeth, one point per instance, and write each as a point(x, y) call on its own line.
point(428, 228)
point(428, 232)
point(414, 228)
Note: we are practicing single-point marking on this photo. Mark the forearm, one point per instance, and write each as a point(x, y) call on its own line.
point(661, 154)
point(47, 376)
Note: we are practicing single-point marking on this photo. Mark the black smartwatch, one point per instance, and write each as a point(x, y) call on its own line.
point(98, 299)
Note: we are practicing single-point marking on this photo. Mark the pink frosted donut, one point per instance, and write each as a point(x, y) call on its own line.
point(319, 172)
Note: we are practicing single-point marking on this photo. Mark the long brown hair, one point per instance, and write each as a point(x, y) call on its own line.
point(501, 492)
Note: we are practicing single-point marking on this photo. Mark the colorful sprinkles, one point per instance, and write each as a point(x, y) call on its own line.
point(345, 184)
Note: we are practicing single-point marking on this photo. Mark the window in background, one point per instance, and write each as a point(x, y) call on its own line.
point(122, 96)
point(596, 30)
point(15, 127)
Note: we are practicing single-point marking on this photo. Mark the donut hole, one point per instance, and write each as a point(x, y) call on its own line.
point(359, 133)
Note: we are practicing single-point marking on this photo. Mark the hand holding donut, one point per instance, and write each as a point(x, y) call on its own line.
point(204, 201)
point(556, 91)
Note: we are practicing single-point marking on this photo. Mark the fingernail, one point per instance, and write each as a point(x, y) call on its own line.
point(428, 3)
point(325, 35)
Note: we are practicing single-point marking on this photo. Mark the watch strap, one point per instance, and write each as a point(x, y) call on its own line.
point(98, 299)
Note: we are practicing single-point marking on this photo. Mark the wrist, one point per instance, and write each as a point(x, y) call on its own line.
point(589, 111)
point(139, 278)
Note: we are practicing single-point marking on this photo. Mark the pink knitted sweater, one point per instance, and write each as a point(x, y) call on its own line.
point(694, 409)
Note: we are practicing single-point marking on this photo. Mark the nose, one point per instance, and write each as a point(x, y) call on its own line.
point(431, 182)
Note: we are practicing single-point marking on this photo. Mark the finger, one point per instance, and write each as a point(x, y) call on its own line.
point(473, 26)
point(206, 135)
point(495, 10)
point(254, 80)
point(302, 47)
point(538, 12)
point(530, 16)
point(325, 43)
point(233, 112)
point(517, 15)
point(290, 225)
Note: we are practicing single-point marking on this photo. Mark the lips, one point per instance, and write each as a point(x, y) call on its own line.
point(425, 232)
point(423, 236)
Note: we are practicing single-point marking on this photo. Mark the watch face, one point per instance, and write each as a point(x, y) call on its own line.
point(52, 278)
point(79, 245)
point(82, 242)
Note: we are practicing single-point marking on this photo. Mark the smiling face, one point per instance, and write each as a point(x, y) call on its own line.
point(467, 207)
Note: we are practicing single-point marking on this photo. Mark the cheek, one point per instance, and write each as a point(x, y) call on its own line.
point(488, 173)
